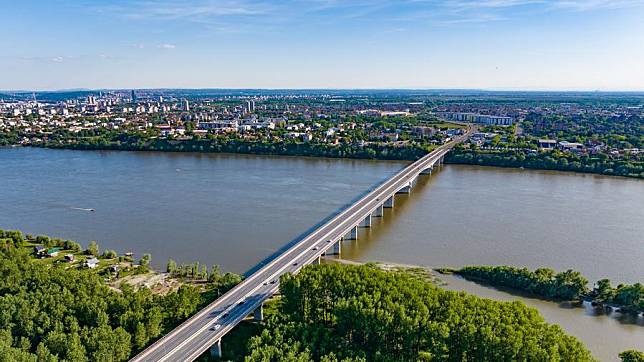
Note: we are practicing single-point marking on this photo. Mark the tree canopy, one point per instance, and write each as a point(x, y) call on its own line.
point(360, 313)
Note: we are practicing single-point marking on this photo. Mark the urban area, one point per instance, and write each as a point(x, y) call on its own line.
point(581, 132)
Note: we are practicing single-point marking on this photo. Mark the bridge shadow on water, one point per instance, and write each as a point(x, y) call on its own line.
point(303, 235)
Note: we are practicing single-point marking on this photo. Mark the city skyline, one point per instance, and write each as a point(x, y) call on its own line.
point(318, 44)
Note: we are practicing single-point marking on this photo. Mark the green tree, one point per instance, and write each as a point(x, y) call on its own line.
point(632, 356)
point(92, 248)
point(145, 260)
point(171, 267)
point(109, 254)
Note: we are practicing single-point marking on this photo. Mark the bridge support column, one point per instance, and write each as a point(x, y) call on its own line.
point(366, 223)
point(405, 190)
point(259, 313)
point(353, 234)
point(378, 212)
point(317, 260)
point(389, 203)
point(427, 171)
point(215, 349)
point(337, 248)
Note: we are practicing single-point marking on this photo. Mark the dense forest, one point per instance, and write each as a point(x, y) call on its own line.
point(561, 161)
point(360, 313)
point(567, 285)
point(326, 313)
point(52, 313)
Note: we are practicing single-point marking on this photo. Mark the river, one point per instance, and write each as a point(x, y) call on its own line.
point(235, 210)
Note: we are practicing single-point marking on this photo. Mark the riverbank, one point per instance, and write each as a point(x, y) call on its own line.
point(568, 286)
point(117, 270)
point(606, 333)
point(547, 160)
point(567, 162)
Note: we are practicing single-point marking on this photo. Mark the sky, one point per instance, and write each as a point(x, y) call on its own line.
point(428, 44)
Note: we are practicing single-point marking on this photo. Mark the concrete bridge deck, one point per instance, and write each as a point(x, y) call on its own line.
point(204, 330)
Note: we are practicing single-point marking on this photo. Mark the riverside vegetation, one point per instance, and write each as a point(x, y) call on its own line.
point(511, 153)
point(360, 313)
point(325, 313)
point(49, 312)
point(567, 285)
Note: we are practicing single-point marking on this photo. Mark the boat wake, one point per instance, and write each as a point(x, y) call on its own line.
point(83, 209)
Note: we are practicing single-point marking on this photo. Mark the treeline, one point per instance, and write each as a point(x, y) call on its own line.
point(359, 313)
point(630, 298)
point(568, 285)
point(199, 272)
point(561, 161)
point(51, 314)
point(16, 239)
point(8, 138)
point(230, 145)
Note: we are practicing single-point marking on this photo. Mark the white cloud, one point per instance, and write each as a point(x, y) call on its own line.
point(196, 10)
point(586, 5)
point(166, 46)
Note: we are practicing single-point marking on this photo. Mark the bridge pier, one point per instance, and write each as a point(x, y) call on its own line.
point(405, 190)
point(337, 248)
point(389, 203)
point(427, 171)
point(366, 223)
point(259, 313)
point(215, 349)
point(378, 212)
point(317, 260)
point(352, 234)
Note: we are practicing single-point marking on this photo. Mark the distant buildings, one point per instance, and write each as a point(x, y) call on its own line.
point(222, 125)
point(249, 107)
point(547, 144)
point(476, 118)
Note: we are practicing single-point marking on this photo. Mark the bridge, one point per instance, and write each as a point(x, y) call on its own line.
point(205, 329)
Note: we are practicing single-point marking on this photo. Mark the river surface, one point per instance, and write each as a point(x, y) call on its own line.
point(235, 210)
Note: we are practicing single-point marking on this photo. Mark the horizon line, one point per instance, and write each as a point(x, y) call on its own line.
point(526, 90)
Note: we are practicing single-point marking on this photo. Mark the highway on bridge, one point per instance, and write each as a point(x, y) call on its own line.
point(206, 328)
